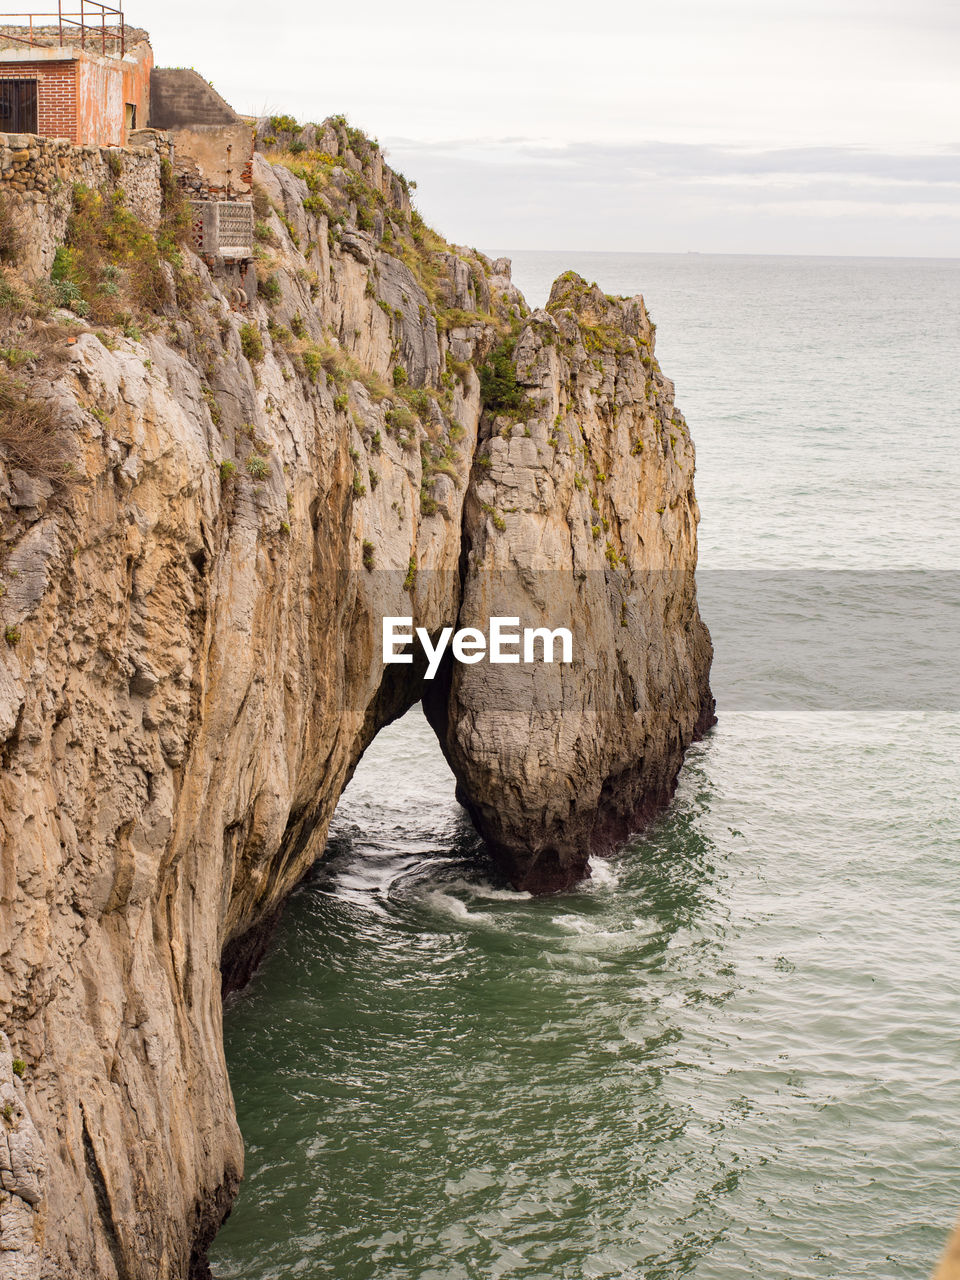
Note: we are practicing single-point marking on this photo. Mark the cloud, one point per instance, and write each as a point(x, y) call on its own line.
point(692, 161)
point(661, 195)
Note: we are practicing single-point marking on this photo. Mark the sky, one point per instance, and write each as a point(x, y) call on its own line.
point(729, 126)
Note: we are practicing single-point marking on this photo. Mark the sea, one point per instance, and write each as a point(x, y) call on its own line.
point(733, 1051)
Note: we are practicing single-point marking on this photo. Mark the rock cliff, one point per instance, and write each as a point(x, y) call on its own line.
point(206, 512)
point(581, 514)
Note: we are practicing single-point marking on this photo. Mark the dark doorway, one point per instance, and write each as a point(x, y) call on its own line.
point(18, 106)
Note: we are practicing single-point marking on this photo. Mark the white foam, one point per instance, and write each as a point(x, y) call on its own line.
point(481, 889)
point(449, 905)
point(602, 873)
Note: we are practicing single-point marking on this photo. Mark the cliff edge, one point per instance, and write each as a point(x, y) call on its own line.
point(206, 510)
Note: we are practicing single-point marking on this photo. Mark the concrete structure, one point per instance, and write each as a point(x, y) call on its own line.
point(213, 146)
point(213, 163)
point(88, 84)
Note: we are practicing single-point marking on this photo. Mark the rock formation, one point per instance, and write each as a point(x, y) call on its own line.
point(191, 665)
point(581, 514)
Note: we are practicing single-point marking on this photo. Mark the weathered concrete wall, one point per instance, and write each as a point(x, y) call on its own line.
point(137, 70)
point(104, 86)
point(212, 146)
point(214, 162)
point(180, 98)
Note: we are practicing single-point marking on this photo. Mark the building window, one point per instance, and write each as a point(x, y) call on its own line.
point(18, 106)
point(130, 116)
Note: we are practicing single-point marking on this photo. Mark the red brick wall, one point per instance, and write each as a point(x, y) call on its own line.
point(83, 99)
point(56, 95)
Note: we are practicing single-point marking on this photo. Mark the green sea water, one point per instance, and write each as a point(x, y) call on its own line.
point(733, 1051)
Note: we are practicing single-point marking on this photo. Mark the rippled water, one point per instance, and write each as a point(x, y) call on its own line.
point(733, 1052)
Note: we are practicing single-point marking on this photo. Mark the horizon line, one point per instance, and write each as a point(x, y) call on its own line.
point(736, 253)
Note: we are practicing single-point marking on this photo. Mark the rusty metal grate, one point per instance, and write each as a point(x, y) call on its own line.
point(96, 25)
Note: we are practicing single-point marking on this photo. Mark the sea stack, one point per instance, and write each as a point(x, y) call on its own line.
point(581, 513)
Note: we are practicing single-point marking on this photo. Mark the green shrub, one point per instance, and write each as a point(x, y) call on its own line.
point(341, 401)
point(228, 470)
point(410, 580)
point(270, 288)
point(251, 343)
point(499, 389)
point(368, 550)
point(19, 1067)
point(111, 264)
point(399, 376)
point(400, 419)
point(213, 404)
point(258, 466)
point(312, 364)
point(359, 488)
point(12, 635)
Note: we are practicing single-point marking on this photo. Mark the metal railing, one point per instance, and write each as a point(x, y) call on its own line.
point(97, 24)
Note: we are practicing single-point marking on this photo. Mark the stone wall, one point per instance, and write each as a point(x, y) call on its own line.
point(38, 174)
point(52, 37)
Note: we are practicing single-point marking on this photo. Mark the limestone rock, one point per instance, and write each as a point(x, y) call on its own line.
point(198, 667)
point(584, 518)
point(22, 1177)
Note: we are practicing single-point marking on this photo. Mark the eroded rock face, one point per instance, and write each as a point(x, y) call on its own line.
point(22, 1169)
point(582, 515)
point(192, 670)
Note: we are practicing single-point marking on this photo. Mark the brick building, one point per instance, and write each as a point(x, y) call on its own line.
point(89, 80)
point(84, 79)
